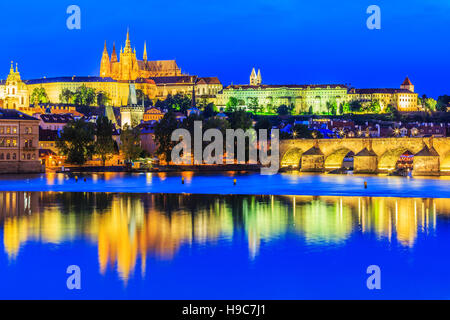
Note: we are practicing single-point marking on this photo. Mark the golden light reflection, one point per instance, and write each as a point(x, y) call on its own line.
point(130, 228)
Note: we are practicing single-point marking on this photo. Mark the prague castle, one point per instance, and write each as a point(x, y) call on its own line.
point(155, 79)
point(159, 78)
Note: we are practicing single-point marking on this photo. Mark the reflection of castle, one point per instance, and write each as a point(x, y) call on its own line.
point(129, 227)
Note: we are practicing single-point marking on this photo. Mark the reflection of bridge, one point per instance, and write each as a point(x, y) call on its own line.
point(371, 155)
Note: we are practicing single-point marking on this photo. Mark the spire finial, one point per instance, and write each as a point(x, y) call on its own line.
point(128, 43)
point(145, 51)
point(17, 67)
point(12, 66)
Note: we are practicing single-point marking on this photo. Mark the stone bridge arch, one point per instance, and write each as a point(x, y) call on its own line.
point(388, 160)
point(292, 158)
point(335, 160)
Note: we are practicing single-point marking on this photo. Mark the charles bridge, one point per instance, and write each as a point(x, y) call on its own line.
point(370, 155)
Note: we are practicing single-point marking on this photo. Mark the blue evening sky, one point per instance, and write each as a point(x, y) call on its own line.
point(292, 41)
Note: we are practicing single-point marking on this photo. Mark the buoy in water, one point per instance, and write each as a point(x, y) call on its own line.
point(234, 181)
point(182, 180)
point(76, 178)
point(365, 184)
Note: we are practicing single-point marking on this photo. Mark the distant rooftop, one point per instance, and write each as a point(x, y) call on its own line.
point(378, 90)
point(12, 114)
point(289, 86)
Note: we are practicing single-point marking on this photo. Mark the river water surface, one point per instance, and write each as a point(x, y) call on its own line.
point(280, 237)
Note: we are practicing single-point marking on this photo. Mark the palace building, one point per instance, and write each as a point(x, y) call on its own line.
point(316, 98)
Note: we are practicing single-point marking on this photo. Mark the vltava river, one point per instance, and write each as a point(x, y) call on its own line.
point(185, 246)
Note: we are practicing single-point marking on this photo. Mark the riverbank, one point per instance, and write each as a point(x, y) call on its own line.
point(169, 168)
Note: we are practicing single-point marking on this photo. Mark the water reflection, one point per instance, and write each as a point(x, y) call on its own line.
point(129, 228)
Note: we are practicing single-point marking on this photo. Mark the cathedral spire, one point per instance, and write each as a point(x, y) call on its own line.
point(12, 67)
point(253, 77)
point(145, 51)
point(17, 67)
point(128, 43)
point(114, 54)
point(105, 66)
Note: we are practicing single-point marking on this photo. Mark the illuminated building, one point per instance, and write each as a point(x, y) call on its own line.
point(403, 99)
point(13, 91)
point(19, 138)
point(316, 98)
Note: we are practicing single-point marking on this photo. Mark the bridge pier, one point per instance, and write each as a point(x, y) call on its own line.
point(426, 162)
point(313, 160)
point(365, 161)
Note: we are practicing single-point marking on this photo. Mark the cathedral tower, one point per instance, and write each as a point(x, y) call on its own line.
point(255, 80)
point(128, 62)
point(105, 64)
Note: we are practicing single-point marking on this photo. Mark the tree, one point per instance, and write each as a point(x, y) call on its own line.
point(331, 107)
point(284, 110)
point(66, 96)
point(355, 106)
point(430, 104)
point(39, 95)
point(181, 102)
point(76, 141)
point(84, 96)
point(443, 102)
point(240, 120)
point(130, 143)
point(102, 99)
point(345, 107)
point(253, 104)
point(209, 111)
point(163, 134)
point(389, 108)
point(231, 104)
point(104, 145)
point(265, 124)
point(372, 107)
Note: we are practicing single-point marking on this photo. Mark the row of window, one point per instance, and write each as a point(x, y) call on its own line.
point(46, 144)
point(5, 142)
point(13, 156)
point(8, 142)
point(8, 130)
point(13, 130)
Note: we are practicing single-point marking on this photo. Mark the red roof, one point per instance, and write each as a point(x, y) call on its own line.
point(407, 82)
